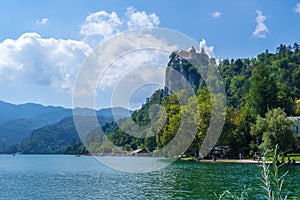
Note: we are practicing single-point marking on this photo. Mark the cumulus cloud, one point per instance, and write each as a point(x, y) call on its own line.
point(261, 29)
point(297, 8)
point(106, 24)
point(43, 61)
point(101, 23)
point(54, 63)
point(208, 49)
point(216, 14)
point(128, 60)
point(140, 19)
point(42, 21)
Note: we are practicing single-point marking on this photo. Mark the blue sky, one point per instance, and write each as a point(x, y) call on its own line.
point(44, 43)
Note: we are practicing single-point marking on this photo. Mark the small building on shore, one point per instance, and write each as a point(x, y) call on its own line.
point(140, 152)
point(221, 151)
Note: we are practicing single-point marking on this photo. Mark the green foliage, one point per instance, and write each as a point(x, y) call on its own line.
point(76, 148)
point(121, 138)
point(202, 118)
point(273, 183)
point(274, 129)
point(263, 90)
point(253, 87)
point(173, 117)
point(232, 135)
point(13, 131)
point(50, 139)
point(270, 81)
point(55, 138)
point(150, 143)
point(141, 116)
point(228, 195)
point(272, 180)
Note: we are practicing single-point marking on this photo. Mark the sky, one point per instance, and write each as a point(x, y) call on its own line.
point(43, 44)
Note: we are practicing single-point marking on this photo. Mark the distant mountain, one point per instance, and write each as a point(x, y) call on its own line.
point(117, 113)
point(18, 121)
point(53, 139)
point(32, 111)
point(50, 138)
point(13, 131)
point(51, 114)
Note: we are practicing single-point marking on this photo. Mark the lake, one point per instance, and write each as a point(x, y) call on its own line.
point(69, 177)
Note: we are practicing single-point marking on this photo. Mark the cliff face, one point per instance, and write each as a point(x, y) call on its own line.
point(183, 70)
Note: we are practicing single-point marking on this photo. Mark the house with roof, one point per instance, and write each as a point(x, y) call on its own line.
point(140, 152)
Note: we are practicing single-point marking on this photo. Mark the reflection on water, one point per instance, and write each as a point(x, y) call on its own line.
point(70, 177)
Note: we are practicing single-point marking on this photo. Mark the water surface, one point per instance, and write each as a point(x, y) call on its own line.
point(70, 177)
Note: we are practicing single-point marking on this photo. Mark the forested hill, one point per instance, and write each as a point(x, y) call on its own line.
point(254, 87)
point(18, 122)
point(54, 139)
point(268, 81)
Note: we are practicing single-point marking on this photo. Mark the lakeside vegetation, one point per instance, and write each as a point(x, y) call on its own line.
point(260, 93)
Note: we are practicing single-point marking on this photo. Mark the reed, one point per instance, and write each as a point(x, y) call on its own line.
point(272, 183)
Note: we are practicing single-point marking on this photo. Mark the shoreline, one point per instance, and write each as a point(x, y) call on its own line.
point(218, 161)
point(234, 161)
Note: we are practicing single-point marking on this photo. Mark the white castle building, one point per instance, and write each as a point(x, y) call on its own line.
point(198, 58)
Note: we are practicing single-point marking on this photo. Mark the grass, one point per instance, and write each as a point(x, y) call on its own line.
point(295, 156)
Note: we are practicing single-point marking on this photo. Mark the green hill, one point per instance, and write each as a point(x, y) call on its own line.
point(253, 86)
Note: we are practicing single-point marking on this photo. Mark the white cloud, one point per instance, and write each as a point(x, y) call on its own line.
point(106, 24)
point(42, 21)
point(297, 8)
point(52, 64)
point(261, 29)
point(208, 49)
point(216, 14)
point(118, 57)
point(101, 23)
point(130, 59)
point(32, 59)
point(157, 52)
point(140, 19)
point(43, 61)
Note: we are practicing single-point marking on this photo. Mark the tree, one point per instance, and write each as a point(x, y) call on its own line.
point(274, 129)
point(150, 143)
point(231, 135)
point(253, 87)
point(263, 90)
point(239, 87)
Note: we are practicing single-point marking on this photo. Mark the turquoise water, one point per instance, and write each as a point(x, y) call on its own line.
point(70, 177)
